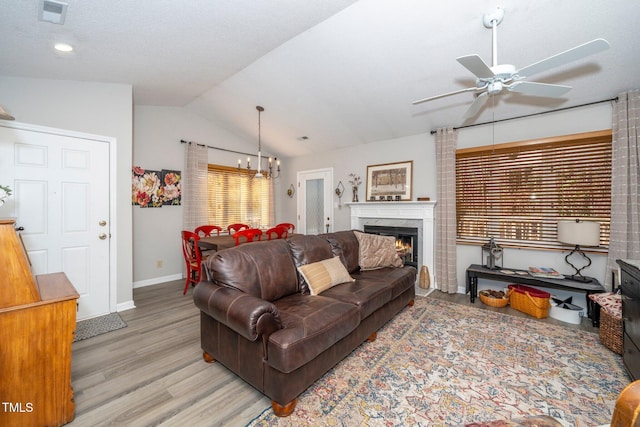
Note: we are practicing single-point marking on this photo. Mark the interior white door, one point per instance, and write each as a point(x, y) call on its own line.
point(61, 198)
point(315, 211)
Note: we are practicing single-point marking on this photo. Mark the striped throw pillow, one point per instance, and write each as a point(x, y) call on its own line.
point(324, 274)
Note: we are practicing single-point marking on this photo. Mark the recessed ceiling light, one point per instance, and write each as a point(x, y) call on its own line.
point(63, 47)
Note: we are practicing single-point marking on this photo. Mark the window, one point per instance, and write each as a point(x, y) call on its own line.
point(239, 197)
point(516, 192)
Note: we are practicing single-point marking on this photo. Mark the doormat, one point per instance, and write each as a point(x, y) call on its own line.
point(98, 326)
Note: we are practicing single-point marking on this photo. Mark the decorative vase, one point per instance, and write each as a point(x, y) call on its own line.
point(355, 194)
point(425, 281)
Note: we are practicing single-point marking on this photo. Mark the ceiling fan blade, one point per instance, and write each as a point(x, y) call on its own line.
point(539, 89)
point(578, 52)
point(455, 92)
point(476, 105)
point(476, 65)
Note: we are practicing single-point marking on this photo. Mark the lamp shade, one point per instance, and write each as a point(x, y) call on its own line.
point(576, 232)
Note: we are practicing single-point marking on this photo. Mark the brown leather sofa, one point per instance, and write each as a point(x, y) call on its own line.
point(259, 320)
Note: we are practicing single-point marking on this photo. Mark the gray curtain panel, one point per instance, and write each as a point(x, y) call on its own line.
point(625, 180)
point(194, 186)
point(445, 264)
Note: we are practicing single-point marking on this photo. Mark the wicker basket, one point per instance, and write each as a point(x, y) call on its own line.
point(611, 331)
point(494, 302)
point(529, 300)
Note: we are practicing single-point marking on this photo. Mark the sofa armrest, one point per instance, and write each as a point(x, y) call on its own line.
point(249, 316)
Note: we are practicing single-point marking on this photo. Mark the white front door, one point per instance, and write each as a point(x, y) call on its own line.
point(315, 212)
point(60, 197)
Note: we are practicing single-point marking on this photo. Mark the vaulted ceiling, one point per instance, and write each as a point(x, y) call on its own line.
point(339, 72)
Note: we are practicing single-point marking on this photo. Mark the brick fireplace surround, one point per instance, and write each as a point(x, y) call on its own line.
point(401, 214)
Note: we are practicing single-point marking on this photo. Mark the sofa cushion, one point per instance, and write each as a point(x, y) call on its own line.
point(397, 279)
point(261, 269)
point(307, 249)
point(377, 251)
point(324, 274)
point(345, 245)
point(367, 295)
point(311, 324)
point(374, 288)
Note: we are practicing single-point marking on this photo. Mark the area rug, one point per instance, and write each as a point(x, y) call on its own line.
point(445, 364)
point(98, 325)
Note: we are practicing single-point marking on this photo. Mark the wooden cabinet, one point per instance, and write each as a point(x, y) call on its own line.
point(630, 287)
point(37, 326)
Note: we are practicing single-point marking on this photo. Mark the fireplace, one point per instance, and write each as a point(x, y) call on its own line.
point(407, 244)
point(415, 215)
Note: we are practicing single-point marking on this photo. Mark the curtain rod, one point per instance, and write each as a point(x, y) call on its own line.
point(182, 141)
point(433, 132)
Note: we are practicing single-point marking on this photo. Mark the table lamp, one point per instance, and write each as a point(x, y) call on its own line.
point(579, 233)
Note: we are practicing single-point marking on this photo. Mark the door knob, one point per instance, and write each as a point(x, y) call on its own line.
point(102, 236)
point(102, 223)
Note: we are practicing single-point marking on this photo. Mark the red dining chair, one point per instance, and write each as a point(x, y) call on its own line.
point(192, 257)
point(208, 230)
point(248, 234)
point(234, 228)
point(290, 227)
point(279, 231)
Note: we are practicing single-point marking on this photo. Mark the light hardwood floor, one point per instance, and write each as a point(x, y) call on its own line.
point(151, 373)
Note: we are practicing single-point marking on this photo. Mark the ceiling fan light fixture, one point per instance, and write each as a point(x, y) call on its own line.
point(492, 80)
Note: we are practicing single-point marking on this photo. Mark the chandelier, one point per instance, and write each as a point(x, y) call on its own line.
point(262, 173)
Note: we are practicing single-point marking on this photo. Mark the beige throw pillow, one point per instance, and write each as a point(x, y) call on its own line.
point(377, 251)
point(325, 274)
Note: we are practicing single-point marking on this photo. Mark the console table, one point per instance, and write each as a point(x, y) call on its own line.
point(475, 271)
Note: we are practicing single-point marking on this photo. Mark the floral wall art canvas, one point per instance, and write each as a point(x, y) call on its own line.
point(146, 188)
point(171, 187)
point(152, 189)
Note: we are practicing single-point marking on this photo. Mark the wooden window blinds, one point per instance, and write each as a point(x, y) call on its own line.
point(238, 197)
point(516, 192)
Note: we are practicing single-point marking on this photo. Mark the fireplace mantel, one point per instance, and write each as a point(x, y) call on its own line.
point(420, 213)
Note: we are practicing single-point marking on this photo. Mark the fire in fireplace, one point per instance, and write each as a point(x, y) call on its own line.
point(406, 241)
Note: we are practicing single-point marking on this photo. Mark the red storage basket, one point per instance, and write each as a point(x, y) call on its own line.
point(529, 300)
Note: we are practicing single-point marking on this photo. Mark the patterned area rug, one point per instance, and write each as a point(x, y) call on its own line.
point(445, 364)
point(98, 325)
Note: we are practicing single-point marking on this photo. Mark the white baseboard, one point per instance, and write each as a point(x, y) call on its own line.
point(124, 306)
point(423, 292)
point(157, 280)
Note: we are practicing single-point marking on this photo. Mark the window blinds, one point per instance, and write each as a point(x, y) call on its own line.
point(238, 197)
point(516, 192)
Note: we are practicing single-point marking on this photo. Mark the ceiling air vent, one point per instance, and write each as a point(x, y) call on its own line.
point(53, 11)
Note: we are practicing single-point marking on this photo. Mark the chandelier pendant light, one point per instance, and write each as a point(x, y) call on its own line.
point(259, 172)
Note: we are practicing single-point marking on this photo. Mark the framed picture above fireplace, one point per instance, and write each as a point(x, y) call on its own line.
point(390, 181)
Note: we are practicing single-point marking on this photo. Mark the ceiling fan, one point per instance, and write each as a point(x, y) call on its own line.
point(493, 80)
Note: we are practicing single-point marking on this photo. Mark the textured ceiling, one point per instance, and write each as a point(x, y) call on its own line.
point(340, 72)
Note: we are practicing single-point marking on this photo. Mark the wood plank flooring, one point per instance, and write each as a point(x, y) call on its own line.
point(151, 373)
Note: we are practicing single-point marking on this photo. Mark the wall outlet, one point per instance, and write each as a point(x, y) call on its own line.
point(159, 263)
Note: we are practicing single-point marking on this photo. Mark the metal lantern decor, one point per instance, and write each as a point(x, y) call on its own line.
point(491, 255)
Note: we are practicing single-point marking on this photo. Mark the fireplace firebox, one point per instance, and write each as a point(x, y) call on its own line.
point(407, 243)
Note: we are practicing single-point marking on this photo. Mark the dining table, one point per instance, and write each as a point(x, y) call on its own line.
point(223, 241)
